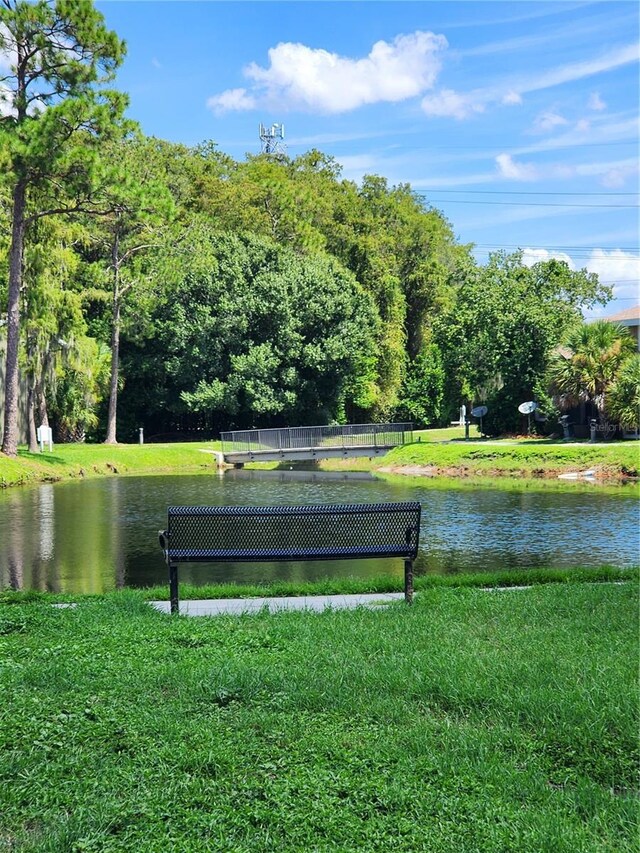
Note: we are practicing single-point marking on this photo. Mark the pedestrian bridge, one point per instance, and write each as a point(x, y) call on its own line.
point(303, 444)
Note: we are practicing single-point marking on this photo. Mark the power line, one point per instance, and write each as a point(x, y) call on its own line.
point(573, 255)
point(540, 150)
point(583, 256)
point(529, 203)
point(518, 192)
point(558, 246)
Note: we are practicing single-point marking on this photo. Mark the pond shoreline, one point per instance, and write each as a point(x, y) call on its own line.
point(380, 585)
point(526, 459)
point(601, 475)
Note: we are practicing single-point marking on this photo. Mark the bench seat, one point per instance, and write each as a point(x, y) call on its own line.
point(229, 534)
point(232, 555)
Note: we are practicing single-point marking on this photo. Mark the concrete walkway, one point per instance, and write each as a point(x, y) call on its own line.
point(315, 603)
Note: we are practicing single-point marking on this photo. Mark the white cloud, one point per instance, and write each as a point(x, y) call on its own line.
point(602, 129)
point(601, 167)
point(578, 70)
point(446, 102)
point(232, 99)
point(596, 103)
point(312, 79)
point(617, 267)
point(614, 178)
point(435, 181)
point(156, 63)
point(358, 163)
point(8, 58)
point(461, 104)
point(535, 256)
point(8, 51)
point(6, 101)
point(508, 168)
point(511, 99)
point(611, 173)
point(548, 121)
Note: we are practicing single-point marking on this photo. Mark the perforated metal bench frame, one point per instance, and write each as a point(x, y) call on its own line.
point(231, 534)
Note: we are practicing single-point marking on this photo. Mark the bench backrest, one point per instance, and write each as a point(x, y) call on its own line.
point(320, 532)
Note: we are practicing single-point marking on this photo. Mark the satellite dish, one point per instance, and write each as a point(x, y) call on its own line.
point(479, 411)
point(527, 408)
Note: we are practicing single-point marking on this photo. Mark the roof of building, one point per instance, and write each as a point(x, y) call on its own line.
point(626, 314)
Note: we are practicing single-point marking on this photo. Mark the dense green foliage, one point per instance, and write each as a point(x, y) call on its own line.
point(374, 313)
point(589, 365)
point(623, 402)
point(56, 114)
point(270, 335)
point(471, 721)
point(194, 292)
point(497, 338)
point(424, 388)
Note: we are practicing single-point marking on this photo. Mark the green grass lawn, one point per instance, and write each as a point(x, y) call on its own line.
point(472, 721)
point(535, 458)
point(90, 460)
point(445, 433)
point(532, 458)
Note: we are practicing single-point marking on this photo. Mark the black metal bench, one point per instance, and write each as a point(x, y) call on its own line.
point(229, 534)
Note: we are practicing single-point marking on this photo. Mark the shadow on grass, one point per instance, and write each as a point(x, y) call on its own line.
point(47, 458)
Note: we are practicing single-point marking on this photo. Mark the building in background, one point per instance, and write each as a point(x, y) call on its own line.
point(630, 318)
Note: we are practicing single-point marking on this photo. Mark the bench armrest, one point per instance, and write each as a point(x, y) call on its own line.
point(163, 538)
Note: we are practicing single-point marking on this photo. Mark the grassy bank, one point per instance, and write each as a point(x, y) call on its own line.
point(434, 457)
point(541, 458)
point(387, 583)
point(93, 460)
point(471, 721)
point(349, 586)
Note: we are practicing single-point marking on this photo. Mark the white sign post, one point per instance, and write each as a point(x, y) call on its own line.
point(45, 436)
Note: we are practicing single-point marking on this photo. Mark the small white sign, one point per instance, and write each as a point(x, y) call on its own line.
point(45, 436)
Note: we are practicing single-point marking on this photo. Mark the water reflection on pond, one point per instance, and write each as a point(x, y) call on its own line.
point(101, 534)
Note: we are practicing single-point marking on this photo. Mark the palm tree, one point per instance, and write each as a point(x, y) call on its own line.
point(623, 403)
point(585, 368)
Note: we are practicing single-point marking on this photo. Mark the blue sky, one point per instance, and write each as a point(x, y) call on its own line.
point(519, 120)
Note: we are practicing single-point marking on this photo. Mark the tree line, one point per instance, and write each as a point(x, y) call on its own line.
point(146, 283)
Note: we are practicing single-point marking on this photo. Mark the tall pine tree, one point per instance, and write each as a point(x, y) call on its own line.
point(53, 116)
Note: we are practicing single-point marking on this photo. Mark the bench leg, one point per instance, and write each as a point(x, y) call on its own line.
point(173, 589)
point(408, 581)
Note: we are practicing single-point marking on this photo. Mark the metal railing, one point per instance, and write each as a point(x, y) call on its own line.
point(316, 437)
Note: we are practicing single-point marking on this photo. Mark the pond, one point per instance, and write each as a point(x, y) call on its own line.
point(100, 534)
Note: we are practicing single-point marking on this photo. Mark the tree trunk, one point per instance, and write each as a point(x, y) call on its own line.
point(10, 437)
point(31, 414)
point(115, 355)
point(41, 403)
point(41, 400)
point(32, 394)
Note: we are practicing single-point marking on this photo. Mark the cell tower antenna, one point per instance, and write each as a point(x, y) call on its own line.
point(272, 139)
